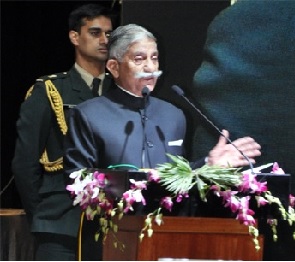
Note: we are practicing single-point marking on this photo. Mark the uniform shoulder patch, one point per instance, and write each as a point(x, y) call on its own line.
point(52, 77)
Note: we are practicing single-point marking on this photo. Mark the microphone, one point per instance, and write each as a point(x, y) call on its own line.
point(162, 138)
point(145, 92)
point(128, 130)
point(180, 92)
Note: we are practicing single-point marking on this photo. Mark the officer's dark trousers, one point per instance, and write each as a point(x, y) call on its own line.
point(53, 247)
point(50, 247)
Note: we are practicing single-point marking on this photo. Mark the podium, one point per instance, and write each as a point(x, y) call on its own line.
point(199, 237)
point(192, 238)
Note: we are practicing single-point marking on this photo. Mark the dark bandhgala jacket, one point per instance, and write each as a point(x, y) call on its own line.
point(41, 127)
point(118, 136)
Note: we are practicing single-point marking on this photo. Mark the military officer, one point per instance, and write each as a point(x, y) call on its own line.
point(38, 161)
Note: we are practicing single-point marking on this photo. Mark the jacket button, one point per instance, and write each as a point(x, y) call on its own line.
point(144, 118)
point(150, 144)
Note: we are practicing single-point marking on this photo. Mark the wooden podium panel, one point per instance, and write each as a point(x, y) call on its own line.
point(184, 238)
point(17, 243)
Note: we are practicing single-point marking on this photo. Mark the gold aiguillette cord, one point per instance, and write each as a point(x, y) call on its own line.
point(80, 237)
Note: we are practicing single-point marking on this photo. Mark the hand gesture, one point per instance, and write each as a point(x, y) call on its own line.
point(226, 155)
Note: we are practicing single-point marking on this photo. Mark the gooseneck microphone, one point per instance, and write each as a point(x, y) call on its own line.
point(128, 131)
point(162, 139)
point(180, 92)
point(145, 92)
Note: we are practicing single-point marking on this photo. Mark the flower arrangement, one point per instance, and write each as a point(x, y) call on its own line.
point(233, 187)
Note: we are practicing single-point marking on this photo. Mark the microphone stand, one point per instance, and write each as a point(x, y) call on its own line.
point(145, 94)
point(180, 92)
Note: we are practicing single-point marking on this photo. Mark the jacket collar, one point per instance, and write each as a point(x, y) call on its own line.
point(119, 96)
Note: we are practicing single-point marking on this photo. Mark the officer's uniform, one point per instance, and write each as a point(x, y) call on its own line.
point(37, 164)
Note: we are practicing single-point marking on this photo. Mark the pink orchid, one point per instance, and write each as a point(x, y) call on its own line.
point(167, 203)
point(138, 184)
point(227, 194)
point(99, 178)
point(230, 200)
point(276, 169)
point(245, 215)
point(106, 205)
point(215, 188)
point(261, 201)
point(245, 204)
point(128, 197)
point(246, 219)
point(78, 185)
point(85, 200)
point(78, 199)
point(76, 174)
point(292, 200)
point(180, 196)
point(249, 182)
point(153, 175)
point(131, 196)
point(129, 200)
point(137, 194)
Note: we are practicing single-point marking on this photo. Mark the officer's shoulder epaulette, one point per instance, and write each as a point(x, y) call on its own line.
point(52, 77)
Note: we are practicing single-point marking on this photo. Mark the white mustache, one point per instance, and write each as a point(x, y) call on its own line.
point(147, 75)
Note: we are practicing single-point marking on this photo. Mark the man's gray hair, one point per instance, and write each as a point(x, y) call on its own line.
point(123, 36)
